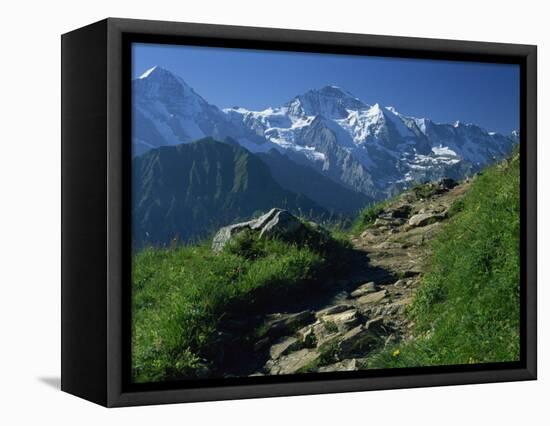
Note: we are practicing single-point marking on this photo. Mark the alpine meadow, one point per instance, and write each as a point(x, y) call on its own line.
point(313, 231)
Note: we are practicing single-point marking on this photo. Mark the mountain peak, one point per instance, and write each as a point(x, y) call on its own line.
point(333, 90)
point(157, 78)
point(157, 72)
point(148, 72)
point(160, 74)
point(169, 96)
point(330, 101)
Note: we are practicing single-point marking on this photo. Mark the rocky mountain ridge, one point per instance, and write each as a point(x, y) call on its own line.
point(367, 148)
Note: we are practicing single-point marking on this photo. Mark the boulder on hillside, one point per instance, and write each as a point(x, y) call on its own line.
point(277, 223)
point(423, 219)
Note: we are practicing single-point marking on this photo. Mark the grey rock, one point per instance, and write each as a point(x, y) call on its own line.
point(278, 325)
point(358, 342)
point(378, 326)
point(387, 245)
point(343, 320)
point(277, 223)
point(335, 309)
point(227, 233)
point(280, 224)
point(400, 283)
point(322, 335)
point(384, 223)
point(292, 362)
point(366, 288)
point(283, 347)
point(423, 219)
point(372, 297)
point(344, 365)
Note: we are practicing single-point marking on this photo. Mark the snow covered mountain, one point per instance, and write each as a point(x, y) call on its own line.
point(166, 111)
point(373, 150)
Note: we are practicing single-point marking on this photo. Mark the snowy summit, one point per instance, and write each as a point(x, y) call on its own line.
point(372, 149)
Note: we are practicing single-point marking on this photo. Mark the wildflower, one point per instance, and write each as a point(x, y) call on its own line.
point(396, 353)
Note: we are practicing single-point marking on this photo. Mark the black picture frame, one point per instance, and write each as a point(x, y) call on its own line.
point(96, 222)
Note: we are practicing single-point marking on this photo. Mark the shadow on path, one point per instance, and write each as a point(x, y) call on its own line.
point(240, 358)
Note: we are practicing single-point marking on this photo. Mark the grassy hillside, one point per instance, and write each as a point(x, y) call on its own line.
point(180, 295)
point(467, 307)
point(187, 302)
point(184, 192)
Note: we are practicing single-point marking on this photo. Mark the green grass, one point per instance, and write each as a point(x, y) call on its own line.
point(465, 311)
point(181, 295)
point(455, 208)
point(467, 307)
point(331, 326)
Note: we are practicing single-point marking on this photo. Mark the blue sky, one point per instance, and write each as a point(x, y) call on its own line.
point(445, 91)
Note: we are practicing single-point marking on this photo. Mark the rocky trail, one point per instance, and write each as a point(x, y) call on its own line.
point(338, 328)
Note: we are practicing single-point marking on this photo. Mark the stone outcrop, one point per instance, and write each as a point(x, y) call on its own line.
point(423, 219)
point(277, 223)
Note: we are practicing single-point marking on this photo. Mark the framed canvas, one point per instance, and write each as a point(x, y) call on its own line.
point(254, 212)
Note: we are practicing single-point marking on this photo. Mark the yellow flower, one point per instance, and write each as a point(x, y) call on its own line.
point(396, 353)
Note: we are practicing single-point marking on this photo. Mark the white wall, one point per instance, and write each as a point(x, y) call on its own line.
point(30, 194)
